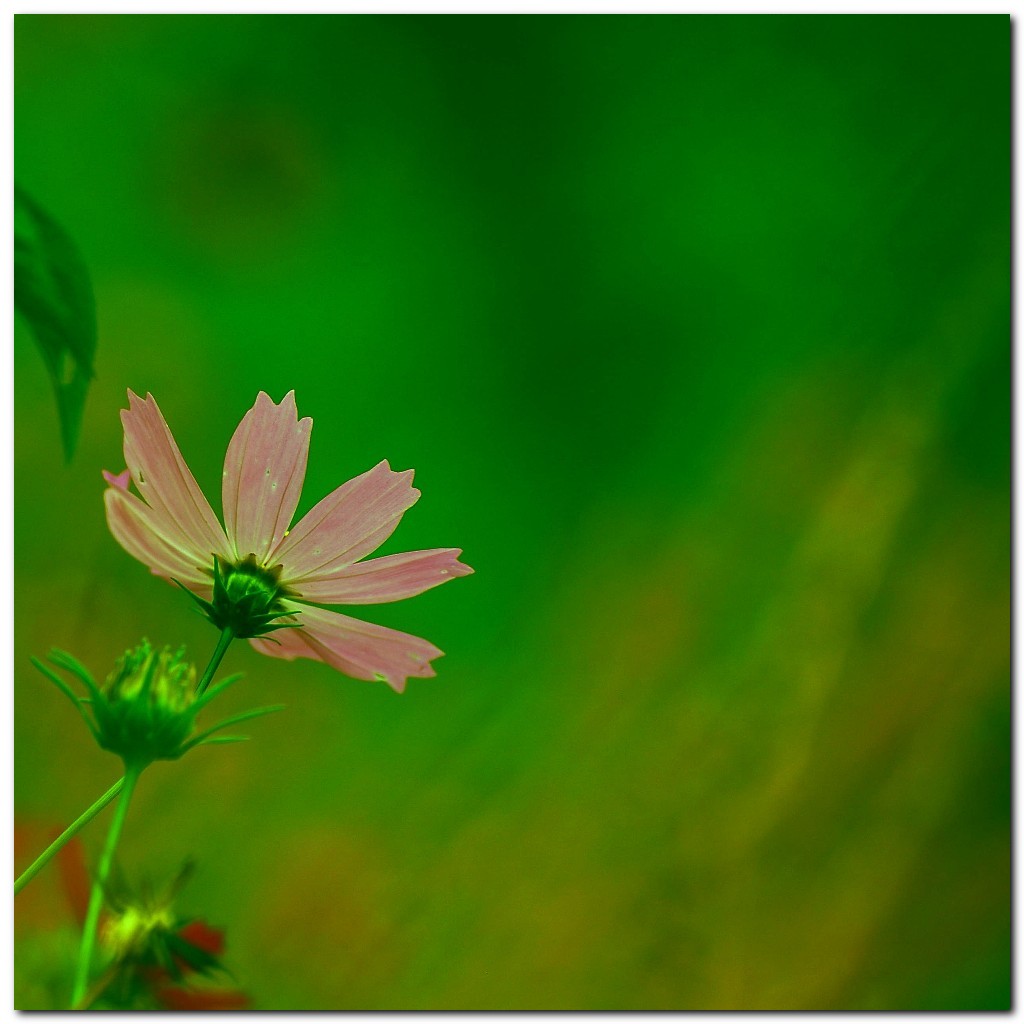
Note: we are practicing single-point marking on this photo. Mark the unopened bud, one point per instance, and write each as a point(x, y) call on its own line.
point(145, 709)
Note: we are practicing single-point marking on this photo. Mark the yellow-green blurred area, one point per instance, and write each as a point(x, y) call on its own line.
point(696, 333)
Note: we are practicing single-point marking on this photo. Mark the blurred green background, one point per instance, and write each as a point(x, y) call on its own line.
point(696, 332)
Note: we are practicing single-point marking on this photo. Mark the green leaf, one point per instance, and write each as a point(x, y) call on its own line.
point(52, 291)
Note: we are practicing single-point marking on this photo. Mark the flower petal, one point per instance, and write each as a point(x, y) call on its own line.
point(348, 524)
point(173, 997)
point(360, 649)
point(120, 481)
point(165, 482)
point(263, 473)
point(390, 578)
point(201, 935)
point(139, 531)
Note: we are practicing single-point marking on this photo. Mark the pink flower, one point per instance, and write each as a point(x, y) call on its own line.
point(259, 566)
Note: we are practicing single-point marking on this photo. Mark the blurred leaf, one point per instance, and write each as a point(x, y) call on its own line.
point(52, 291)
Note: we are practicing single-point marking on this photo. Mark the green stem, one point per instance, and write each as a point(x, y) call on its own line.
point(99, 986)
point(75, 827)
point(92, 916)
point(226, 637)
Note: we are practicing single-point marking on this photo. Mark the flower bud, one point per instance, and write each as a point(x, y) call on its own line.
point(128, 934)
point(145, 710)
point(154, 955)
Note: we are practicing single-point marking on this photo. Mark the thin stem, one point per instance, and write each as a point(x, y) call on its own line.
point(226, 637)
point(92, 915)
point(73, 829)
point(98, 988)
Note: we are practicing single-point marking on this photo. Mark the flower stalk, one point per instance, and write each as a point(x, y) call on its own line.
point(69, 833)
point(226, 637)
point(92, 916)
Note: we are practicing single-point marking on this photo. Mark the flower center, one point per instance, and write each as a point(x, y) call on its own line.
point(250, 582)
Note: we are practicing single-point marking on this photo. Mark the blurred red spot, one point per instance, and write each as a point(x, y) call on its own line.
point(195, 999)
point(74, 877)
point(203, 936)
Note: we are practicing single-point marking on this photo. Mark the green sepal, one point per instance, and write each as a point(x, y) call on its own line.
point(243, 716)
point(246, 599)
point(199, 960)
point(204, 606)
point(69, 693)
point(57, 681)
point(283, 625)
point(65, 661)
point(214, 691)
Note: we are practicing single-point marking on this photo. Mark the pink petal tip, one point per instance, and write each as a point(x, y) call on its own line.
point(120, 481)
